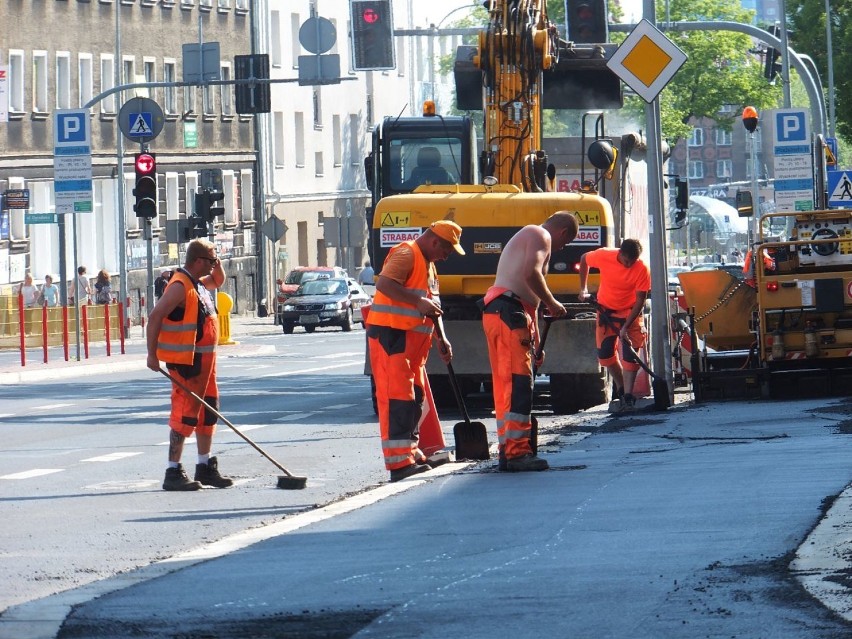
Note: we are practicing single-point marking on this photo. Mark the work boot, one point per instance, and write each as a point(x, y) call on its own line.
point(176, 479)
point(628, 403)
point(408, 471)
point(617, 402)
point(526, 463)
point(208, 474)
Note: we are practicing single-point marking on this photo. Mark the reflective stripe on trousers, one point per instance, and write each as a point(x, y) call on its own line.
point(508, 332)
point(398, 361)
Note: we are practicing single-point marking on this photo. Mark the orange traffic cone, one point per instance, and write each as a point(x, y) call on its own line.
point(431, 435)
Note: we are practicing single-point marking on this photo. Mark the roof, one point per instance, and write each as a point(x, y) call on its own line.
point(724, 215)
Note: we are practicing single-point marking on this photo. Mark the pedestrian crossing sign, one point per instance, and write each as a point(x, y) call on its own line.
point(141, 125)
point(840, 188)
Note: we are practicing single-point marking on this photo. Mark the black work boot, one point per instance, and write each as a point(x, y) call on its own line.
point(208, 474)
point(408, 471)
point(526, 463)
point(176, 479)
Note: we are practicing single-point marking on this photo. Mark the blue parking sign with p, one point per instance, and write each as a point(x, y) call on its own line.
point(791, 126)
point(71, 128)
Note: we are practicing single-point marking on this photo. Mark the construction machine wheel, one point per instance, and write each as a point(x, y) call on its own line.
point(310, 328)
point(287, 327)
point(574, 392)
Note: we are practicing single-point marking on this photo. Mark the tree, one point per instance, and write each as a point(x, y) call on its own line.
point(736, 77)
point(807, 35)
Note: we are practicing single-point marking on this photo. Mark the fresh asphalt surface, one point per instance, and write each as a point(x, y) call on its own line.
point(683, 524)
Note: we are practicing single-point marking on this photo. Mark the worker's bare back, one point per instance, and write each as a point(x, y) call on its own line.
point(524, 261)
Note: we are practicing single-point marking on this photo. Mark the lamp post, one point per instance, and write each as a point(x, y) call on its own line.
point(750, 119)
point(436, 32)
point(830, 68)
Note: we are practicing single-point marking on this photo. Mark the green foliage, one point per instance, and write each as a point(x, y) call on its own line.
point(807, 35)
point(719, 71)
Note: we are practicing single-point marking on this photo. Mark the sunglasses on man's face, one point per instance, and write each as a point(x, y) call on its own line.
point(212, 260)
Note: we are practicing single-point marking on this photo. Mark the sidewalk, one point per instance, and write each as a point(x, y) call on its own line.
point(134, 357)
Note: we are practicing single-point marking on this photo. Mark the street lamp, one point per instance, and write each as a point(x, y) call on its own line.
point(435, 32)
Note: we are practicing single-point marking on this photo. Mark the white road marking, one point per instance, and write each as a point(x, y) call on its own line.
point(294, 417)
point(340, 406)
point(303, 371)
point(334, 355)
point(35, 472)
point(4, 415)
point(110, 457)
point(50, 406)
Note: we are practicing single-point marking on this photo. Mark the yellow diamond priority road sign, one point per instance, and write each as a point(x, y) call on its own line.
point(647, 60)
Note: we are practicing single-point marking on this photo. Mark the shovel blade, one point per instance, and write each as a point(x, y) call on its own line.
point(471, 440)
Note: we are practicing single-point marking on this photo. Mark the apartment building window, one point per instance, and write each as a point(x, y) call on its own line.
point(170, 93)
point(320, 169)
point(172, 196)
point(354, 139)
point(187, 4)
point(207, 100)
point(696, 138)
point(16, 81)
point(85, 78)
point(167, 4)
point(401, 45)
point(278, 148)
point(149, 70)
point(224, 5)
point(295, 25)
point(724, 138)
point(724, 168)
point(336, 142)
point(108, 104)
point(696, 169)
point(63, 80)
point(128, 70)
point(40, 81)
point(275, 39)
point(300, 139)
point(189, 102)
point(205, 5)
point(242, 5)
point(226, 91)
point(317, 103)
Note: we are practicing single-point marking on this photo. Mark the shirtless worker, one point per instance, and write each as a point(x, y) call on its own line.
point(511, 329)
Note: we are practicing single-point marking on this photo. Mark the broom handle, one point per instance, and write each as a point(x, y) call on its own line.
point(439, 329)
point(183, 387)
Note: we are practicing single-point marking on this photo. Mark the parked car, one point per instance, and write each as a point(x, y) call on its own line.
point(300, 274)
point(673, 282)
point(734, 269)
point(324, 302)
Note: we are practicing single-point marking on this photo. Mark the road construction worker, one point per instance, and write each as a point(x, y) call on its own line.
point(624, 284)
point(511, 330)
point(748, 266)
point(183, 331)
point(399, 333)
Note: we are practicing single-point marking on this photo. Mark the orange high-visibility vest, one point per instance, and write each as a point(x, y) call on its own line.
point(422, 280)
point(176, 341)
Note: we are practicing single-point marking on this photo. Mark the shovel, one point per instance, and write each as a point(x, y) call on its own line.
point(537, 356)
point(471, 437)
point(659, 385)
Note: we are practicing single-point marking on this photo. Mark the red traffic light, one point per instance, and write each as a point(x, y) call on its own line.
point(145, 164)
point(370, 15)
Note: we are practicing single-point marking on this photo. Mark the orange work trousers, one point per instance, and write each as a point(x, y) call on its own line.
point(508, 331)
point(188, 414)
point(398, 361)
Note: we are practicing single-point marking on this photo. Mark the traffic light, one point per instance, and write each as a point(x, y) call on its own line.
point(146, 185)
point(196, 227)
point(372, 35)
point(771, 66)
point(205, 205)
point(681, 200)
point(587, 21)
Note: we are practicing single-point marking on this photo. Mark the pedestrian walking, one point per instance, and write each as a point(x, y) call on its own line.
point(103, 288)
point(80, 283)
point(625, 281)
point(50, 291)
point(28, 291)
point(511, 330)
point(367, 275)
point(183, 331)
point(399, 333)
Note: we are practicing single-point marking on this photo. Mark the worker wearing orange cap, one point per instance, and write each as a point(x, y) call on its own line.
point(399, 334)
